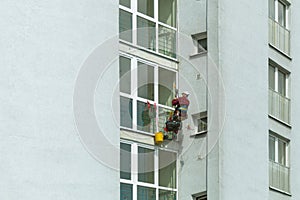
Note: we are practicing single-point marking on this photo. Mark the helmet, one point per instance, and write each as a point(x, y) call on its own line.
point(186, 93)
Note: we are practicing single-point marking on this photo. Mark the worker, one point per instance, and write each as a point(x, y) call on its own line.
point(182, 103)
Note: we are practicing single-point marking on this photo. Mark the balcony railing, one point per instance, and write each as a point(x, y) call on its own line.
point(279, 176)
point(279, 106)
point(279, 36)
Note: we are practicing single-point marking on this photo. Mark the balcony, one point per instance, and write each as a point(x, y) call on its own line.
point(279, 177)
point(279, 37)
point(279, 106)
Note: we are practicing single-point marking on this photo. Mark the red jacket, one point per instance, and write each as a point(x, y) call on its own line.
point(180, 101)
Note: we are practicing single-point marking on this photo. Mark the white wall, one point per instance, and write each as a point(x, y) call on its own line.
point(295, 99)
point(192, 158)
point(43, 45)
point(243, 32)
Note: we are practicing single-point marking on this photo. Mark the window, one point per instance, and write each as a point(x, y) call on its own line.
point(155, 22)
point(125, 25)
point(279, 34)
point(279, 172)
point(200, 41)
point(278, 11)
point(279, 103)
point(202, 45)
point(167, 12)
point(281, 13)
point(278, 79)
point(150, 163)
point(126, 112)
point(125, 156)
point(200, 122)
point(200, 196)
point(146, 93)
point(126, 3)
point(278, 150)
point(125, 75)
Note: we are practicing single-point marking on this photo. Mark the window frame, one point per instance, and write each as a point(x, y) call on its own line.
point(276, 79)
point(134, 90)
point(198, 37)
point(286, 5)
point(196, 117)
point(276, 153)
point(134, 32)
point(134, 169)
point(279, 173)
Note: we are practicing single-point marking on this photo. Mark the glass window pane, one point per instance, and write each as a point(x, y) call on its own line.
point(167, 12)
point(202, 45)
point(167, 195)
point(202, 124)
point(125, 25)
point(272, 148)
point(145, 117)
point(125, 192)
point(281, 13)
point(281, 152)
point(145, 81)
point(125, 75)
point(125, 3)
point(272, 77)
point(166, 86)
point(272, 9)
point(145, 193)
point(167, 41)
point(125, 161)
point(281, 83)
point(145, 165)
point(146, 33)
point(126, 112)
point(146, 7)
point(167, 169)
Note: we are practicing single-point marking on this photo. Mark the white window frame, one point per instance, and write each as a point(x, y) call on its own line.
point(287, 150)
point(287, 77)
point(134, 11)
point(134, 89)
point(196, 118)
point(134, 170)
point(196, 38)
point(287, 12)
point(279, 173)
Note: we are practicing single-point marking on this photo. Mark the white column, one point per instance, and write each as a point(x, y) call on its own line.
point(134, 169)
point(134, 21)
point(134, 91)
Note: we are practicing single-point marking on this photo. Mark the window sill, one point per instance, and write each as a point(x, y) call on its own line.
point(148, 51)
point(281, 52)
point(199, 133)
point(280, 121)
point(280, 191)
point(136, 131)
point(196, 55)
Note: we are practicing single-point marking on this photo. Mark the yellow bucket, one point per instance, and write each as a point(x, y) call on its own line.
point(159, 137)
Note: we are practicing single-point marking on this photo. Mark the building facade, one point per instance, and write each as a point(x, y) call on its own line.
point(86, 85)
